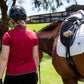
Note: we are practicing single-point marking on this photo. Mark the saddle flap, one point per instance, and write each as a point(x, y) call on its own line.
point(70, 25)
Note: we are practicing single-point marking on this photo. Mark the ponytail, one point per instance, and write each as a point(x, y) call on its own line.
point(21, 22)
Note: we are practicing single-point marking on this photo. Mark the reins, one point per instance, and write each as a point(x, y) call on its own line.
point(39, 73)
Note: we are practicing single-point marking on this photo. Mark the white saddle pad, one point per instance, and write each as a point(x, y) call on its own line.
point(76, 48)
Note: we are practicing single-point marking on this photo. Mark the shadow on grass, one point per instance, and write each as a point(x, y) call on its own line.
point(45, 56)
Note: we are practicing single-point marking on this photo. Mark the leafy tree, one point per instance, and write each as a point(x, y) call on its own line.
point(4, 4)
point(49, 4)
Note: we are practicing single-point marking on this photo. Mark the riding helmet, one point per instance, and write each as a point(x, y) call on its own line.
point(17, 13)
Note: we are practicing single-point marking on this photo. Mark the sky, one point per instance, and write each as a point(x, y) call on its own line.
point(29, 7)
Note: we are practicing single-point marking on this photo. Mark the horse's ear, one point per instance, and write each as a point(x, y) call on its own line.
point(34, 31)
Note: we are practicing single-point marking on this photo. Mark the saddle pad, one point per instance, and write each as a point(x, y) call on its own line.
point(79, 14)
point(77, 46)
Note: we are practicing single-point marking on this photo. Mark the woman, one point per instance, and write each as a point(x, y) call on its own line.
point(19, 51)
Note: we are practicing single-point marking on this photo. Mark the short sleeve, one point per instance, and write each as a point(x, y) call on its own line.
point(6, 39)
point(36, 42)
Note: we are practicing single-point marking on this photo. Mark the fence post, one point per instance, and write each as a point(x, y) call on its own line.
point(39, 18)
point(30, 19)
point(62, 15)
point(50, 17)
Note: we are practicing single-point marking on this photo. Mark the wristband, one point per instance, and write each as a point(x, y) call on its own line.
point(0, 81)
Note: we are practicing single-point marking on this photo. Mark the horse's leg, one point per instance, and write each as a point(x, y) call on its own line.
point(70, 81)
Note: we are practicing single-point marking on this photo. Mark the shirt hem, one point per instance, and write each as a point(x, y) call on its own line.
point(36, 45)
point(6, 44)
point(19, 74)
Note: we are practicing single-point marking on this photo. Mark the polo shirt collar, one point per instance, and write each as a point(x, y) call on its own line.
point(19, 26)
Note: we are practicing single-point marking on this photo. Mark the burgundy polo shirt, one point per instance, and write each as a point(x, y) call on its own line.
point(21, 42)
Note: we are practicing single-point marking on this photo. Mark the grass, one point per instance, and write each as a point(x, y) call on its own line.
point(36, 27)
point(48, 73)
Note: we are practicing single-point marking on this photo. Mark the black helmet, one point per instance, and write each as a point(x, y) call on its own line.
point(17, 13)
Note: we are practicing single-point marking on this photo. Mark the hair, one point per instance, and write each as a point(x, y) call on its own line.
point(21, 22)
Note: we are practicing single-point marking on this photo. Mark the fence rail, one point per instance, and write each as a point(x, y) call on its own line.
point(50, 17)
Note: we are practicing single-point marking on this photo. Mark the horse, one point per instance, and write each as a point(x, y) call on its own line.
point(48, 42)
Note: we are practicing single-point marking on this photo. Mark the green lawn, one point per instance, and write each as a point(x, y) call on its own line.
point(48, 74)
point(36, 27)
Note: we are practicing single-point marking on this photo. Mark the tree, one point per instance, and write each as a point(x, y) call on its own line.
point(49, 4)
point(4, 4)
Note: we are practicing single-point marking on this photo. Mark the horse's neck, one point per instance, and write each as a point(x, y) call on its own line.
point(46, 45)
point(46, 39)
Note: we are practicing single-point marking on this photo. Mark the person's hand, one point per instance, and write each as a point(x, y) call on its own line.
point(36, 71)
point(0, 81)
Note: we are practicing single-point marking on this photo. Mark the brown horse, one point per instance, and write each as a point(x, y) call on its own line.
point(61, 65)
point(46, 38)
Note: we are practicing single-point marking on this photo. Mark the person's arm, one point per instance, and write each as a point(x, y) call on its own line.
point(35, 56)
point(4, 59)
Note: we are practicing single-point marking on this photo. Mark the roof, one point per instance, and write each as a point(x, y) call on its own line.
point(75, 8)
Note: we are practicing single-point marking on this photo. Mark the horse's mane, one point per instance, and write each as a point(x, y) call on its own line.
point(51, 26)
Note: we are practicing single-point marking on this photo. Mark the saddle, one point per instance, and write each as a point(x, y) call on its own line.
point(69, 28)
